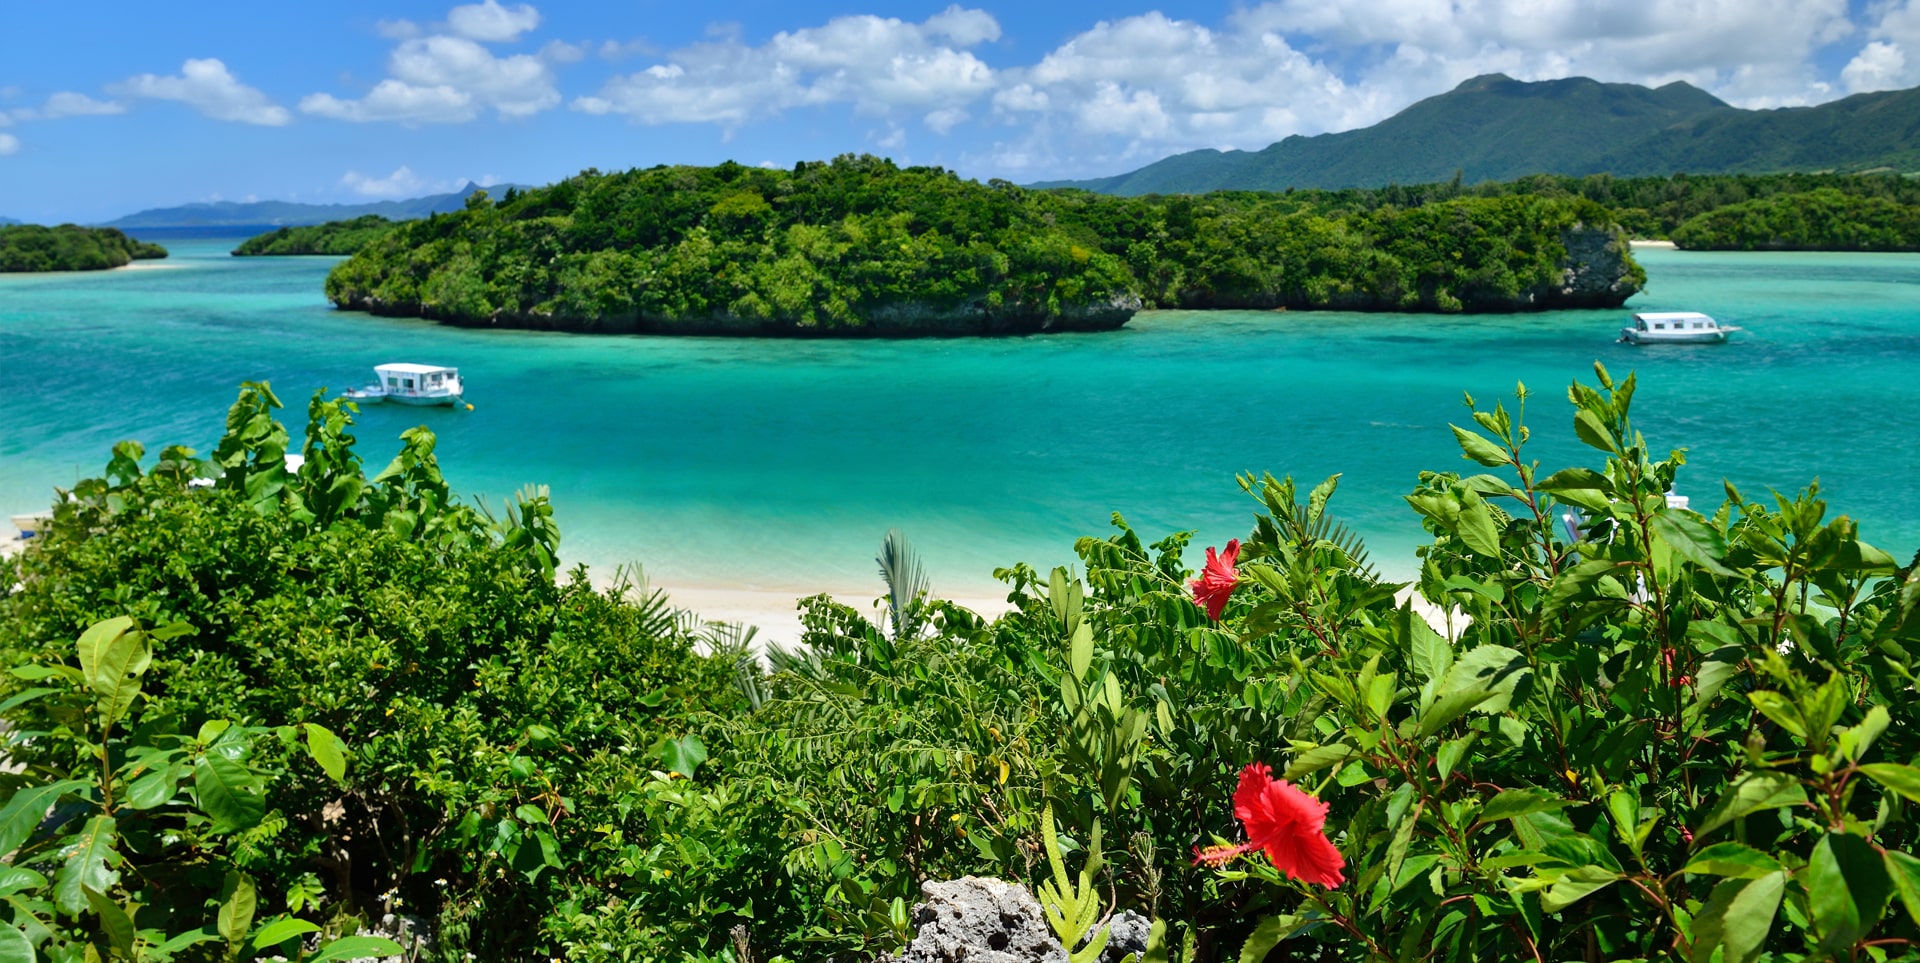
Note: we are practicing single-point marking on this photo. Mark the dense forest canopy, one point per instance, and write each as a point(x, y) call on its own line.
point(859, 245)
point(69, 247)
point(333, 237)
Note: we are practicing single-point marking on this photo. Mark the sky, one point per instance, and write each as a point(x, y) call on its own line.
point(110, 108)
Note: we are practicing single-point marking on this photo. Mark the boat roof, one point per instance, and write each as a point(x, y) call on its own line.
point(404, 367)
point(1672, 316)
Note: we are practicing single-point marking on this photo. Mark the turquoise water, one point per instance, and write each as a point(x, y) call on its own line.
point(780, 464)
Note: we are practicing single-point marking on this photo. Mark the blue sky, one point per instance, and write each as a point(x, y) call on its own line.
point(110, 108)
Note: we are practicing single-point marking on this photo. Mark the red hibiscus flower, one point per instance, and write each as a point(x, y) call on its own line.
point(1217, 580)
point(1285, 822)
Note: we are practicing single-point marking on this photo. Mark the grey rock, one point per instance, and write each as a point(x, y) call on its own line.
point(979, 920)
point(1127, 933)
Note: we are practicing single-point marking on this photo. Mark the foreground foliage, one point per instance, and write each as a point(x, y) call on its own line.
point(69, 247)
point(1642, 732)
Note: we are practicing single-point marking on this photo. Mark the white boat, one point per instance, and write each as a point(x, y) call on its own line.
point(1675, 327)
point(411, 384)
point(30, 524)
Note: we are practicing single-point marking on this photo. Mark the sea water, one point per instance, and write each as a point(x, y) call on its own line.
point(780, 464)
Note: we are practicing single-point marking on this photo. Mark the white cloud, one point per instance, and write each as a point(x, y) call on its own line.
point(207, 86)
point(63, 104)
point(1891, 58)
point(617, 50)
point(9, 144)
point(445, 79)
point(403, 181)
point(876, 64)
point(492, 23)
point(397, 29)
point(946, 119)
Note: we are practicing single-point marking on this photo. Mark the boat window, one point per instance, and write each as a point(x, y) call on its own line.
point(408, 382)
point(1660, 326)
point(393, 382)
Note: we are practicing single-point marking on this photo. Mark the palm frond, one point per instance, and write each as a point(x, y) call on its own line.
point(907, 585)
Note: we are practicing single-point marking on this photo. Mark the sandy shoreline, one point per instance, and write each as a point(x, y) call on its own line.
point(1663, 245)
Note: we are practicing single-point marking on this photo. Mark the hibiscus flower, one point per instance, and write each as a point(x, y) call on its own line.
point(1285, 822)
point(1217, 580)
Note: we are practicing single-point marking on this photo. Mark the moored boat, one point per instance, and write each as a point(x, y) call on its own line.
point(411, 384)
point(1675, 327)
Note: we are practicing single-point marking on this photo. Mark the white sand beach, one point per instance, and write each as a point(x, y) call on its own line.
point(1667, 245)
point(776, 614)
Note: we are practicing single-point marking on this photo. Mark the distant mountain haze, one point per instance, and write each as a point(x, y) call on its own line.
point(7, 220)
point(1495, 128)
point(255, 214)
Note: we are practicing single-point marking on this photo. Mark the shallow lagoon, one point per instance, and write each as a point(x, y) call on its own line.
point(780, 464)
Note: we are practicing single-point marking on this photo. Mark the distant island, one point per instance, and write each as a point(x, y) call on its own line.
point(252, 214)
point(31, 247)
point(1495, 128)
point(333, 237)
point(861, 247)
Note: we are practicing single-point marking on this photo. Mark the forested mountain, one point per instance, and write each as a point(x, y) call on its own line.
point(1494, 128)
point(254, 214)
point(333, 237)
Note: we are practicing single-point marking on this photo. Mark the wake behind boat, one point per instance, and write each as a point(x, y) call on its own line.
point(1675, 327)
point(411, 384)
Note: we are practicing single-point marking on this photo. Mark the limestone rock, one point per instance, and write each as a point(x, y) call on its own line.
point(1127, 933)
point(979, 920)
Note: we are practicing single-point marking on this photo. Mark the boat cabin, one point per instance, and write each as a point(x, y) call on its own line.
point(418, 383)
point(1674, 322)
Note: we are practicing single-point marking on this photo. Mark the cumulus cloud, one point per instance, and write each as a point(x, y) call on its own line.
point(1891, 57)
point(490, 22)
point(450, 77)
point(64, 104)
point(9, 144)
point(876, 64)
point(403, 181)
point(208, 87)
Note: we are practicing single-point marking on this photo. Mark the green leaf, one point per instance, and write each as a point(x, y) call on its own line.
point(1577, 479)
point(1732, 859)
point(1751, 793)
point(279, 931)
point(1479, 449)
point(327, 750)
point(1316, 759)
point(1080, 650)
point(236, 914)
point(189, 938)
point(1519, 802)
point(1477, 528)
point(23, 697)
point(228, 792)
point(1576, 885)
point(1737, 918)
point(114, 920)
point(1781, 710)
point(93, 645)
point(1693, 539)
point(1904, 780)
point(87, 864)
point(683, 755)
point(1904, 870)
point(154, 789)
point(13, 879)
point(27, 807)
point(1847, 889)
point(1595, 434)
point(356, 947)
point(1485, 677)
point(14, 946)
point(1268, 935)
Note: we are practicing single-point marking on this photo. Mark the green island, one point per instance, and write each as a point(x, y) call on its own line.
point(333, 237)
point(69, 247)
point(859, 246)
point(249, 717)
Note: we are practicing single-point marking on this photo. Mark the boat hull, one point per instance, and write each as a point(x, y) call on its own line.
point(425, 401)
point(1635, 336)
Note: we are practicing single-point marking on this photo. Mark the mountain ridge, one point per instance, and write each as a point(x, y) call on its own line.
point(1495, 128)
point(293, 213)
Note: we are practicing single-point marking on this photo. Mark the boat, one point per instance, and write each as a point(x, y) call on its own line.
point(411, 384)
point(30, 524)
point(1675, 327)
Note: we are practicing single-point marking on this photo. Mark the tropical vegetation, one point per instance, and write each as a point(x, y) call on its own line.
point(69, 247)
point(859, 245)
point(319, 704)
point(333, 237)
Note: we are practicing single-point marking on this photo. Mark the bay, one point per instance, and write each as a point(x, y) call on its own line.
point(779, 465)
